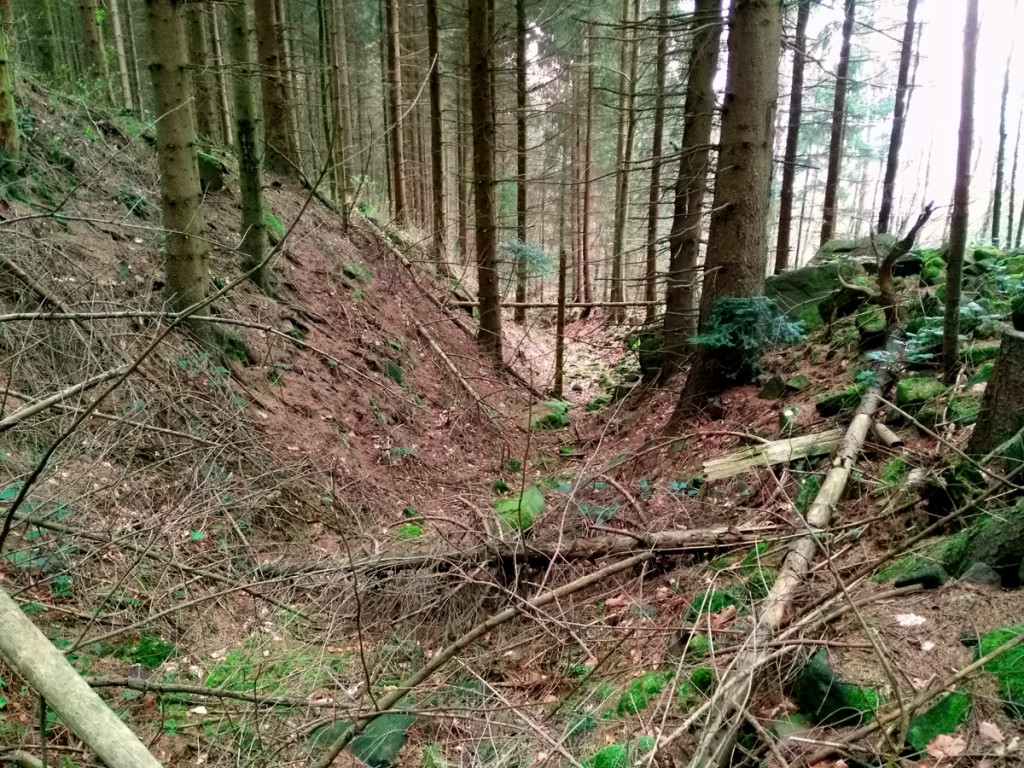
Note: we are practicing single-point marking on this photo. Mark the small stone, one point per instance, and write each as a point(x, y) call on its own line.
point(798, 383)
point(928, 576)
point(773, 389)
point(983, 575)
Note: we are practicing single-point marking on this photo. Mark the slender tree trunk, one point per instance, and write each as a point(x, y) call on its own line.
point(122, 59)
point(997, 193)
point(961, 200)
point(654, 198)
point(691, 183)
point(462, 177)
point(899, 118)
point(397, 131)
point(281, 155)
point(737, 250)
point(1013, 185)
point(199, 52)
point(588, 176)
point(93, 39)
point(289, 81)
point(10, 139)
point(521, 200)
point(44, 38)
point(627, 133)
point(138, 83)
point(220, 73)
point(481, 45)
point(835, 144)
point(187, 263)
point(340, 138)
point(247, 117)
point(796, 106)
point(437, 142)
point(558, 385)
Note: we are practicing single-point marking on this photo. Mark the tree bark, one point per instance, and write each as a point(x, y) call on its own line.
point(835, 144)
point(481, 45)
point(32, 656)
point(199, 52)
point(796, 106)
point(961, 200)
point(45, 38)
point(997, 193)
point(521, 198)
point(654, 198)
point(187, 263)
point(338, 135)
point(133, 57)
point(737, 250)
point(437, 142)
point(397, 129)
point(122, 59)
point(254, 233)
point(899, 119)
point(1013, 184)
point(588, 174)
point(624, 153)
point(691, 183)
point(220, 73)
point(10, 136)
point(1002, 407)
point(281, 155)
point(93, 40)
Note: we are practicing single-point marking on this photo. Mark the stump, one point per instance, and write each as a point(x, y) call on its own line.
point(1002, 407)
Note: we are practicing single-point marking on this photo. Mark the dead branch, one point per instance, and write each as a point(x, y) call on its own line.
point(41, 405)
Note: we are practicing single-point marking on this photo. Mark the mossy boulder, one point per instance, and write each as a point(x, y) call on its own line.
point(964, 409)
point(800, 292)
point(855, 248)
point(551, 414)
point(1017, 312)
point(838, 403)
point(917, 390)
point(211, 172)
point(943, 717)
point(825, 699)
point(648, 345)
point(871, 327)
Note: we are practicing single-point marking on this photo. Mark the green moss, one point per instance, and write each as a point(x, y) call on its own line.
point(944, 717)
point(711, 601)
point(408, 531)
point(552, 414)
point(698, 646)
point(918, 389)
point(964, 409)
point(894, 471)
point(619, 755)
point(759, 583)
point(981, 376)
point(809, 487)
point(641, 692)
point(981, 353)
point(521, 512)
point(751, 562)
point(693, 687)
point(826, 699)
point(838, 403)
point(949, 552)
point(1008, 668)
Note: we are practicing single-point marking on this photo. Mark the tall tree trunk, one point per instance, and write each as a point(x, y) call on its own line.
point(220, 73)
point(187, 263)
point(397, 130)
point(899, 119)
point(737, 250)
point(835, 144)
point(45, 38)
point(588, 177)
point(654, 198)
point(997, 193)
point(10, 139)
point(281, 155)
point(1013, 184)
point(339, 127)
point(247, 116)
point(462, 177)
point(93, 39)
point(624, 154)
point(961, 200)
point(481, 46)
point(199, 52)
point(521, 200)
point(122, 59)
point(437, 142)
point(138, 83)
point(796, 108)
point(558, 384)
point(691, 183)
point(289, 80)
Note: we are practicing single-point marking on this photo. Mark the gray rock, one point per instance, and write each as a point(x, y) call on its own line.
point(928, 576)
point(983, 575)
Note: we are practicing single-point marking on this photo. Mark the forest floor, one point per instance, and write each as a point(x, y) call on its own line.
point(244, 553)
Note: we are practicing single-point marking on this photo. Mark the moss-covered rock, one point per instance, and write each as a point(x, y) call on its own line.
point(1017, 312)
point(918, 389)
point(211, 172)
point(551, 414)
point(854, 248)
point(1008, 668)
point(871, 327)
point(641, 691)
point(800, 292)
point(964, 409)
point(943, 717)
point(712, 601)
point(929, 576)
point(824, 698)
point(837, 403)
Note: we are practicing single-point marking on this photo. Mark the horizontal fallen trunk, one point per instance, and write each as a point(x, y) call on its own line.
point(774, 452)
point(568, 304)
point(718, 737)
point(667, 542)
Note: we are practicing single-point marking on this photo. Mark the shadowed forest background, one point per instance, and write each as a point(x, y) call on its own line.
point(478, 383)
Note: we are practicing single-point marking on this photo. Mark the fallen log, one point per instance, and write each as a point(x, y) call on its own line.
point(774, 452)
point(43, 667)
point(665, 542)
point(729, 702)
